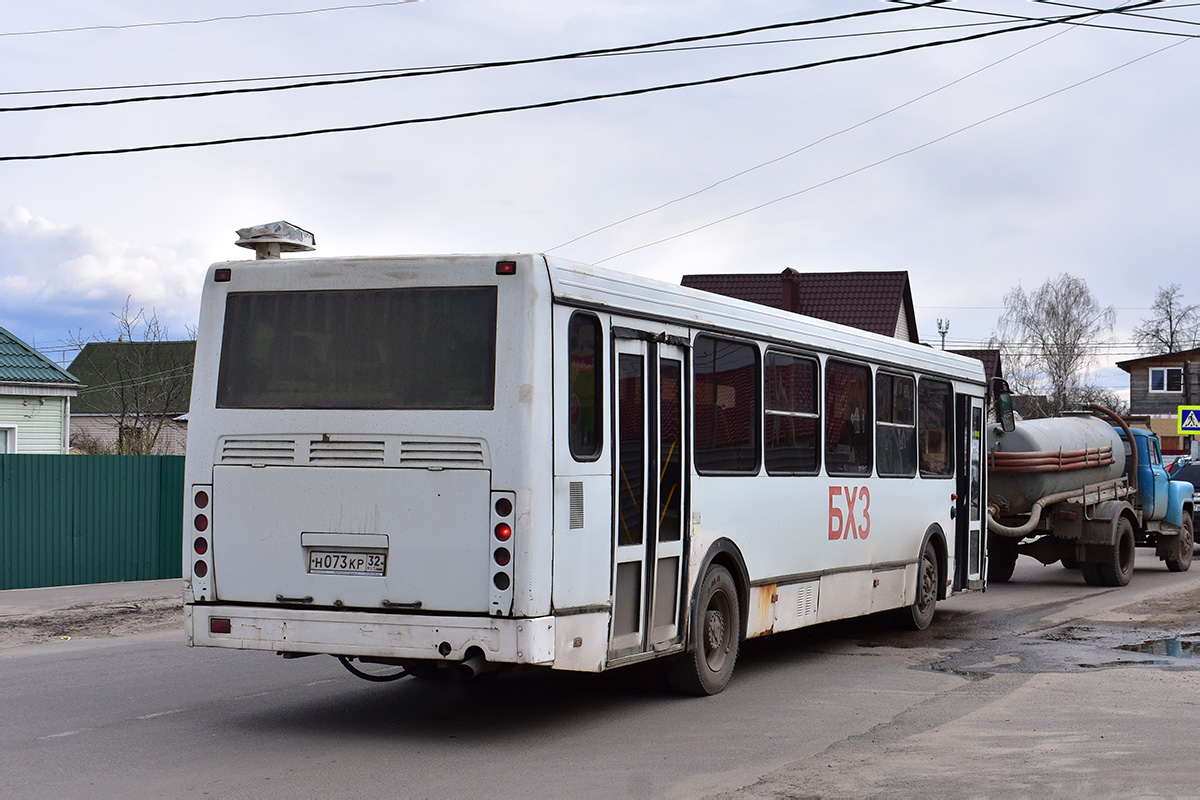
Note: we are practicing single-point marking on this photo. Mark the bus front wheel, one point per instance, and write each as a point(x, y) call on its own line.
point(706, 668)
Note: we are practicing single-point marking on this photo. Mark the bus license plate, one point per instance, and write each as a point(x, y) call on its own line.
point(326, 563)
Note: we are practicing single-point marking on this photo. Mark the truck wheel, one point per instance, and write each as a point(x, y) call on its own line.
point(1002, 558)
point(1069, 562)
point(1187, 542)
point(1117, 568)
point(706, 669)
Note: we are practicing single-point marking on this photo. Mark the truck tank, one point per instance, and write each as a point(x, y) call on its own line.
point(1047, 456)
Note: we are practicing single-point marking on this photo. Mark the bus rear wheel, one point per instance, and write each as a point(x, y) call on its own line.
point(706, 669)
point(920, 613)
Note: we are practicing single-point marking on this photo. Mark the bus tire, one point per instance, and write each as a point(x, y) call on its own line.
point(1117, 568)
point(920, 613)
point(707, 667)
point(1187, 542)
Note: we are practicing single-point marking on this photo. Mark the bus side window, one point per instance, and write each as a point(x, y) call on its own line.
point(726, 420)
point(935, 416)
point(791, 422)
point(847, 418)
point(583, 381)
point(895, 425)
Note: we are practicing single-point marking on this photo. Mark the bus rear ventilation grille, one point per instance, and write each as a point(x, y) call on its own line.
point(426, 453)
point(258, 451)
point(346, 450)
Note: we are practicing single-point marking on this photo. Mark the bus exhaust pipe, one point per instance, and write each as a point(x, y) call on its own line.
point(477, 665)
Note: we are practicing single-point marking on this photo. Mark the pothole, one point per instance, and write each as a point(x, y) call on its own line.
point(1179, 646)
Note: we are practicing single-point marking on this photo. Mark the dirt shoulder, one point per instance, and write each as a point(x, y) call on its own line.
point(92, 622)
point(89, 611)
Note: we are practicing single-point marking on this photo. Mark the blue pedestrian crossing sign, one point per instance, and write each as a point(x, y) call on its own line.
point(1189, 420)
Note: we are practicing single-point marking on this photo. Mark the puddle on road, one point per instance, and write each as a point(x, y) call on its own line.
point(1182, 646)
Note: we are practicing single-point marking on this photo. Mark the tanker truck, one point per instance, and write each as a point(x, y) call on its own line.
point(1085, 490)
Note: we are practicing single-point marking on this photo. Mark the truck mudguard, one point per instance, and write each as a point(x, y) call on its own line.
point(1179, 494)
point(1101, 527)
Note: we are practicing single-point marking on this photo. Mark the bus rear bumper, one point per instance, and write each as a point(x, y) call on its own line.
point(371, 634)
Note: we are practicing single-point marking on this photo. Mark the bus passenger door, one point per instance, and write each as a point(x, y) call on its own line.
point(970, 505)
point(648, 483)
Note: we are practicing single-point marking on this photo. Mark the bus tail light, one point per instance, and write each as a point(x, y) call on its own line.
point(199, 516)
point(502, 547)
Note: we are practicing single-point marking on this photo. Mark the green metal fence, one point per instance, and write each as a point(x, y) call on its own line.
point(89, 519)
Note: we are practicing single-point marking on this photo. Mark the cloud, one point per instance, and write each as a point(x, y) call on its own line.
point(60, 278)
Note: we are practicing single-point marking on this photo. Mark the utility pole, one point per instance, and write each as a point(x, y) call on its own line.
point(943, 329)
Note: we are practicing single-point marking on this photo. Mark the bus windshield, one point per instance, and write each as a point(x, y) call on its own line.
point(381, 349)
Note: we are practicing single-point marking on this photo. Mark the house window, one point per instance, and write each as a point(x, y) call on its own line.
point(1166, 379)
point(8, 440)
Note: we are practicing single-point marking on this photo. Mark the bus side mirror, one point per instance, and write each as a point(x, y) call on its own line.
point(1004, 410)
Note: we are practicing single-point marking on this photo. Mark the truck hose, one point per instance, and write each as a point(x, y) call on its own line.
point(1035, 515)
point(1132, 467)
point(1051, 460)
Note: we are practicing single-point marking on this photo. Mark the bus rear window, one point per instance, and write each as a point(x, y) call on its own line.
point(368, 349)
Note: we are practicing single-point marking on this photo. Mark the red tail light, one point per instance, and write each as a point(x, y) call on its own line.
point(200, 545)
point(504, 531)
point(201, 523)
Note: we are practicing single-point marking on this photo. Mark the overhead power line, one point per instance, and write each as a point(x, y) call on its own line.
point(808, 146)
point(892, 157)
point(425, 69)
point(530, 106)
point(447, 70)
point(206, 20)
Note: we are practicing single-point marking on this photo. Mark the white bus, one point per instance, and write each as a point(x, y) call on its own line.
point(466, 463)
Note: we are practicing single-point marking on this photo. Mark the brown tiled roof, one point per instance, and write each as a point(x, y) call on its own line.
point(990, 359)
point(871, 301)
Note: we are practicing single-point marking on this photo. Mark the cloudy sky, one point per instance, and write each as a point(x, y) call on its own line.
point(975, 165)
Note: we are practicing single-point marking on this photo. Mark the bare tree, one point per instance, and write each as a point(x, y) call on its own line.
point(1048, 339)
point(140, 381)
point(1172, 326)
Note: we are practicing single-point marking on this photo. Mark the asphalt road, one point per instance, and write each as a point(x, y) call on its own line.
point(1017, 692)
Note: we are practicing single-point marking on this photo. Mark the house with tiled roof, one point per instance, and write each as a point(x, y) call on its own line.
point(137, 397)
point(992, 367)
point(880, 302)
point(35, 400)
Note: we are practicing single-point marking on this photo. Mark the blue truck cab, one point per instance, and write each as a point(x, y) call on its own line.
point(1163, 505)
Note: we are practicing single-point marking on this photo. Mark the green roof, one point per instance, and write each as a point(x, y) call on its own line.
point(20, 363)
point(148, 376)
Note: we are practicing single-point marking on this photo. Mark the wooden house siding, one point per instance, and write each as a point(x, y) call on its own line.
point(40, 422)
point(1143, 401)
